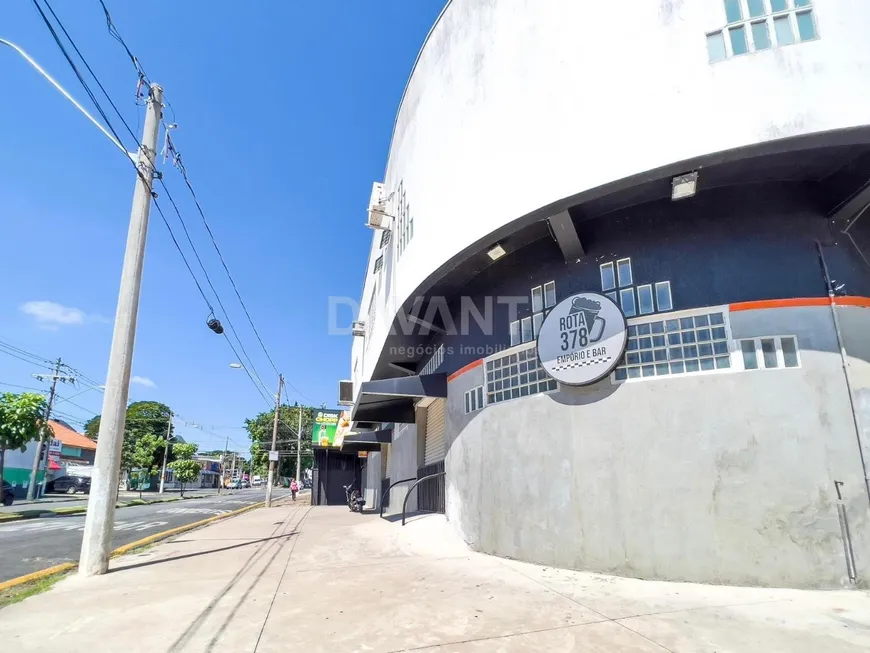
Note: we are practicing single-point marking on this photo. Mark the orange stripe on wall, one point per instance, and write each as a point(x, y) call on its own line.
point(780, 303)
point(465, 369)
point(800, 301)
point(852, 301)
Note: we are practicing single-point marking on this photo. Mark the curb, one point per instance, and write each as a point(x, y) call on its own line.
point(127, 548)
point(145, 541)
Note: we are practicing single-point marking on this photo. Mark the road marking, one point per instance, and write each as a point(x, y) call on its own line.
point(41, 526)
point(193, 511)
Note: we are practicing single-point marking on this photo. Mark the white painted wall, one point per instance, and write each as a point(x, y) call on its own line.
point(515, 104)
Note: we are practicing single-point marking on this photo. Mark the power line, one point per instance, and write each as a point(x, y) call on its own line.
point(99, 107)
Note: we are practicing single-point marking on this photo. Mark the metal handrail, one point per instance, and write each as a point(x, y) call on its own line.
point(384, 496)
point(411, 489)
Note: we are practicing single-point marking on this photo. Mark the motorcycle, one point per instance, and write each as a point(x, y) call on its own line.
point(354, 500)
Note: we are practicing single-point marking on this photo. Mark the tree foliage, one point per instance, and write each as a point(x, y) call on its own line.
point(144, 435)
point(260, 432)
point(21, 422)
point(185, 468)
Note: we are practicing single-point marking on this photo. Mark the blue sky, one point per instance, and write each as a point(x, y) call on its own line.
point(285, 111)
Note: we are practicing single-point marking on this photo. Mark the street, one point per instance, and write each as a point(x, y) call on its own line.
point(51, 501)
point(34, 544)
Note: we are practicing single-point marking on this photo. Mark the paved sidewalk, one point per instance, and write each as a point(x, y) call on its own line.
point(323, 579)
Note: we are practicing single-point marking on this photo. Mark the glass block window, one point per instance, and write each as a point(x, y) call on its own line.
point(474, 399)
point(757, 25)
point(434, 362)
point(676, 346)
point(770, 353)
point(379, 264)
point(516, 374)
point(386, 237)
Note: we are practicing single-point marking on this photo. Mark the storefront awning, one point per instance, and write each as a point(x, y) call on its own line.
point(393, 400)
point(366, 440)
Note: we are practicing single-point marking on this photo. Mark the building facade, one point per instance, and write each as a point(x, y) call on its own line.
point(704, 165)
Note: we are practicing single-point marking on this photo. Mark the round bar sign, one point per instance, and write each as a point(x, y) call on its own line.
point(582, 339)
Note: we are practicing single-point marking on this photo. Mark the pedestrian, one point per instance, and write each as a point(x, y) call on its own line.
point(294, 488)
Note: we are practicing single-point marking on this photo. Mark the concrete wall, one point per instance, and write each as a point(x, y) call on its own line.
point(403, 464)
point(514, 105)
point(855, 332)
point(725, 478)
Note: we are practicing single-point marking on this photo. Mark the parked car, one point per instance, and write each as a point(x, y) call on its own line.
point(72, 484)
point(246, 483)
point(234, 484)
point(8, 494)
point(256, 481)
point(306, 484)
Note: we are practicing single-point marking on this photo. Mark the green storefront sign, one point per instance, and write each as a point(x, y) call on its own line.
point(330, 427)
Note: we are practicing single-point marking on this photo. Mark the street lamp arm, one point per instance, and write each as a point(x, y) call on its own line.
point(69, 97)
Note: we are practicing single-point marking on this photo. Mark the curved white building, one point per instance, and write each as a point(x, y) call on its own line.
point(704, 164)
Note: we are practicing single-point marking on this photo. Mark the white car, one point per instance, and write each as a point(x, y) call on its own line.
point(256, 481)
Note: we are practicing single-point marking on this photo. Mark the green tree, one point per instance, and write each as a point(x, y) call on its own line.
point(21, 422)
point(260, 432)
point(185, 468)
point(144, 435)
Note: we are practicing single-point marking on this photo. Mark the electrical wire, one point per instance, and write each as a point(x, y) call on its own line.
point(27, 353)
point(99, 107)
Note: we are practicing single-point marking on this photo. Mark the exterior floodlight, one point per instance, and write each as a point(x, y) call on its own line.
point(358, 328)
point(684, 186)
point(496, 252)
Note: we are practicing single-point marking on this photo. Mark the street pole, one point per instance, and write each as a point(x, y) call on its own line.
point(34, 470)
point(165, 451)
point(99, 519)
point(299, 448)
point(224, 465)
point(272, 463)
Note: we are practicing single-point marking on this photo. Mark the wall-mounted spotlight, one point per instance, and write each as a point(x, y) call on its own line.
point(496, 252)
point(684, 186)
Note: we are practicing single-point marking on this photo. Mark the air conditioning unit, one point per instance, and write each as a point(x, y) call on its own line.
point(358, 328)
point(345, 393)
point(378, 216)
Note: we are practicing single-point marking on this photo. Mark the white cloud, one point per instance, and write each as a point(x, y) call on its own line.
point(52, 316)
point(143, 380)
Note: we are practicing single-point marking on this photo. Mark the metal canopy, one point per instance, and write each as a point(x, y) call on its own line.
point(393, 400)
point(367, 440)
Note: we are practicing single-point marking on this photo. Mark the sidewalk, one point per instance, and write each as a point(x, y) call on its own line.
point(323, 579)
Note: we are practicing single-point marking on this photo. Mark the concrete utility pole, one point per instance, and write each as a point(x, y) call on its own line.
point(273, 463)
point(224, 465)
point(166, 451)
point(299, 447)
point(99, 520)
point(40, 454)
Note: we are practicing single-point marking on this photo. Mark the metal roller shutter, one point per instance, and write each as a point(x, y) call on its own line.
point(434, 451)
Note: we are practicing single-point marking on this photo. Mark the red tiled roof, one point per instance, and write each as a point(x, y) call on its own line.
point(70, 438)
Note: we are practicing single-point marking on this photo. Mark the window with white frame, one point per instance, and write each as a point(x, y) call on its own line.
point(676, 346)
point(757, 25)
point(526, 329)
point(617, 282)
point(386, 237)
point(474, 399)
point(770, 353)
point(516, 374)
point(434, 362)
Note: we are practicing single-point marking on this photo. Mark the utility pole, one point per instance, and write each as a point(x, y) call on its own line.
point(45, 439)
point(99, 520)
point(299, 447)
point(274, 451)
point(166, 451)
point(224, 465)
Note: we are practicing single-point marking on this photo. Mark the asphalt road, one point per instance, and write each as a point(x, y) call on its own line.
point(33, 544)
point(71, 500)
